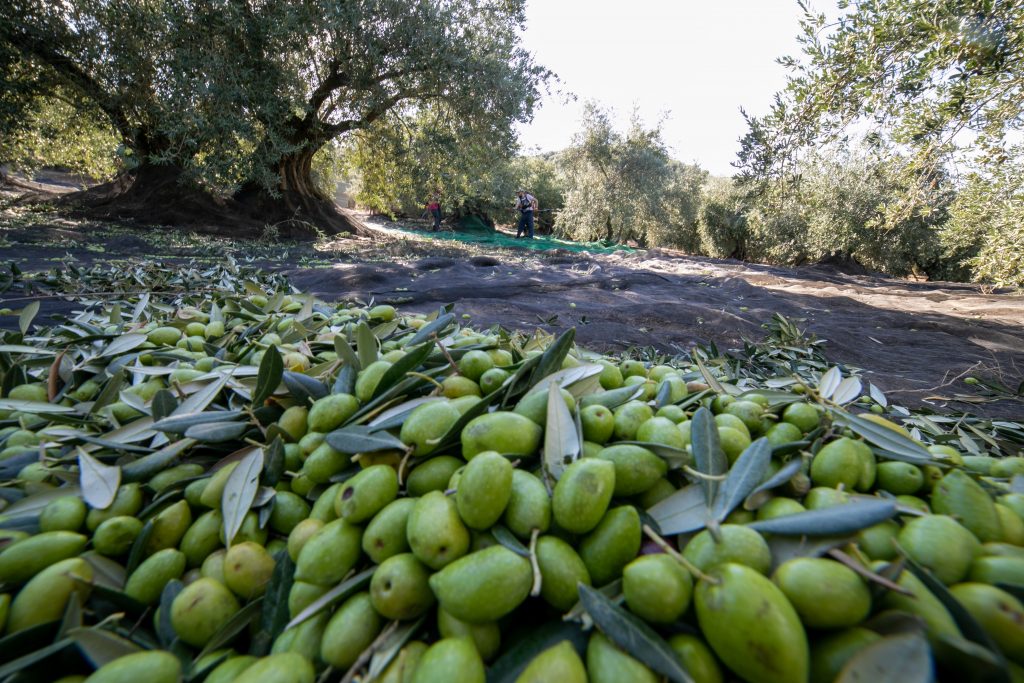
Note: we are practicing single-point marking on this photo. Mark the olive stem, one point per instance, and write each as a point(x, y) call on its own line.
point(701, 475)
point(664, 545)
point(537, 579)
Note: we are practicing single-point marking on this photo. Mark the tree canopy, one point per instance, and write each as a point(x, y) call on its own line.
point(938, 87)
point(239, 95)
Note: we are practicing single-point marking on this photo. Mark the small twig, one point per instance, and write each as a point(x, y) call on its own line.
point(447, 355)
point(664, 545)
point(701, 475)
point(867, 573)
point(367, 654)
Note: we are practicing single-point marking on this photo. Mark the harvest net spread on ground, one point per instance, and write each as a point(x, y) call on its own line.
point(472, 230)
point(248, 484)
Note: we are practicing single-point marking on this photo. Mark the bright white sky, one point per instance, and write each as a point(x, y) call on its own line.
point(695, 61)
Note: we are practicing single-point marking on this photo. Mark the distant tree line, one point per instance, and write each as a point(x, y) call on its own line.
point(896, 143)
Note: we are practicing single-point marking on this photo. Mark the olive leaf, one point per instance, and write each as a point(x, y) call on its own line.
point(760, 494)
point(391, 647)
point(240, 491)
point(303, 387)
point(894, 445)
point(744, 476)
point(180, 423)
point(848, 390)
point(434, 327)
point(275, 603)
point(239, 622)
point(362, 439)
point(216, 432)
point(346, 354)
point(269, 377)
point(366, 344)
point(345, 382)
point(553, 357)
point(561, 441)
point(506, 538)
point(829, 382)
point(101, 646)
point(633, 635)
point(612, 399)
point(831, 521)
point(25, 661)
point(145, 467)
point(339, 592)
point(404, 365)
point(28, 313)
point(684, 511)
point(98, 482)
point(508, 667)
point(895, 659)
point(122, 344)
point(33, 407)
point(968, 625)
point(707, 452)
point(164, 629)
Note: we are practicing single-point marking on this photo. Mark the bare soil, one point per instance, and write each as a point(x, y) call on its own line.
point(915, 340)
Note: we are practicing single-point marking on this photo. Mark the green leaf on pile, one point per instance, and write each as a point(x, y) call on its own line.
point(240, 491)
point(434, 327)
point(903, 658)
point(164, 629)
point(760, 494)
point(346, 354)
point(303, 388)
point(216, 432)
point(339, 592)
point(391, 647)
point(241, 621)
point(361, 439)
point(612, 399)
point(275, 603)
point(146, 466)
point(366, 344)
point(848, 390)
point(34, 407)
point(748, 471)
point(25, 661)
point(561, 440)
point(708, 457)
point(269, 377)
point(98, 482)
point(829, 382)
point(633, 635)
point(122, 344)
point(837, 520)
point(968, 625)
point(508, 667)
point(27, 315)
point(684, 511)
point(182, 422)
point(506, 538)
point(410, 362)
point(101, 646)
point(894, 445)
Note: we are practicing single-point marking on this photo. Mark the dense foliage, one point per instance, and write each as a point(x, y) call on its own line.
point(242, 95)
point(934, 86)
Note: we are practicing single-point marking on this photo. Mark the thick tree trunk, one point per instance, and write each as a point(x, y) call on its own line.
point(298, 207)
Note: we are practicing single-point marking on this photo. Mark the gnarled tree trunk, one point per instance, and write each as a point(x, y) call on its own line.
point(298, 207)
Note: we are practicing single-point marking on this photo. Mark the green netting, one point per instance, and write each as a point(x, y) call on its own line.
point(478, 232)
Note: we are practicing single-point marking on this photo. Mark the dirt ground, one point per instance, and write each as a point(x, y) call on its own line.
point(915, 340)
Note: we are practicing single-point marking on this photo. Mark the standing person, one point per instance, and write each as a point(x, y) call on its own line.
point(526, 204)
point(434, 207)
